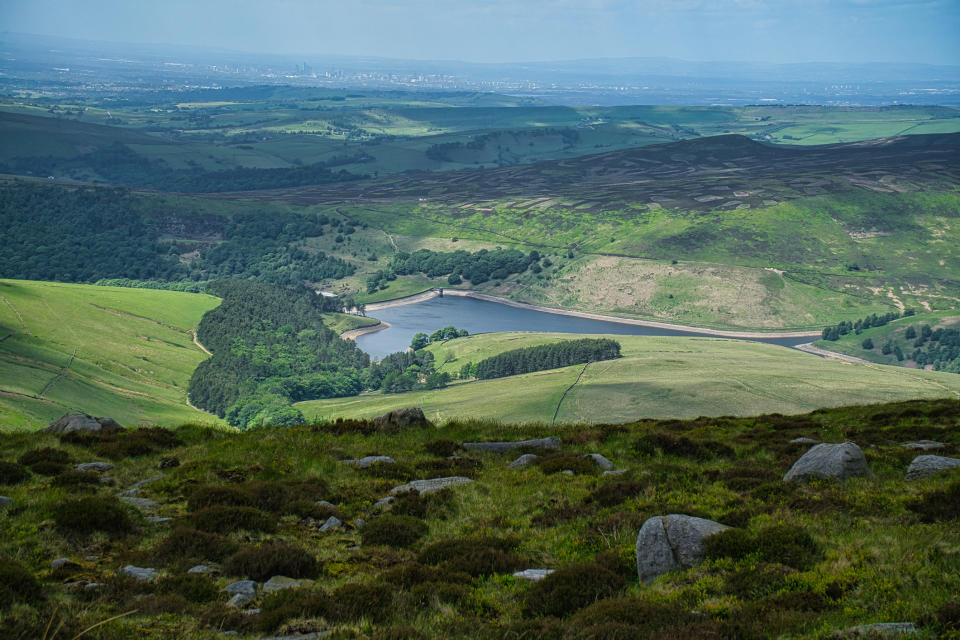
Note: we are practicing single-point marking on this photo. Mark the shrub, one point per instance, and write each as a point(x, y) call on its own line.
point(214, 495)
point(372, 601)
point(560, 514)
point(94, 513)
point(47, 468)
point(938, 506)
point(452, 549)
point(449, 467)
point(444, 592)
point(637, 615)
point(272, 559)
point(140, 442)
point(562, 462)
point(191, 587)
point(485, 561)
point(614, 493)
point(413, 503)
point(948, 615)
point(44, 454)
point(17, 585)
point(281, 606)
point(669, 445)
point(756, 581)
point(309, 509)
point(442, 448)
point(783, 544)
point(12, 473)
point(226, 519)
point(78, 479)
point(184, 544)
point(399, 633)
point(570, 588)
point(394, 531)
point(410, 574)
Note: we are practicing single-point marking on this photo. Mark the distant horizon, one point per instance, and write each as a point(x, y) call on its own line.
point(535, 31)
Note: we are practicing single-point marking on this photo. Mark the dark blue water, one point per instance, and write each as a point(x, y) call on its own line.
point(481, 316)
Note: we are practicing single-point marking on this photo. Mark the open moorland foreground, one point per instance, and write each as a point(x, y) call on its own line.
point(398, 528)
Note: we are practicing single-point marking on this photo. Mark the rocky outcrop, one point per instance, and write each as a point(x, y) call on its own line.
point(71, 422)
point(929, 465)
point(144, 574)
point(670, 543)
point(836, 461)
point(601, 462)
point(94, 466)
point(523, 461)
point(552, 443)
point(532, 575)
point(369, 461)
point(431, 485)
point(402, 419)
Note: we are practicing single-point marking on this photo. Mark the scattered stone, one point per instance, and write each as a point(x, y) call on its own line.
point(251, 612)
point(672, 542)
point(431, 485)
point(279, 583)
point(928, 465)
point(804, 441)
point(886, 629)
point(359, 522)
point(240, 599)
point(140, 573)
point(143, 483)
point(202, 569)
point(601, 462)
point(248, 587)
point(383, 503)
point(926, 445)
point(333, 522)
point(313, 635)
point(533, 575)
point(169, 463)
point(64, 564)
point(5, 502)
point(159, 520)
point(368, 461)
point(143, 504)
point(324, 503)
point(523, 461)
point(92, 586)
point(76, 584)
point(552, 443)
point(71, 422)
point(403, 418)
point(567, 472)
point(615, 472)
point(839, 461)
point(94, 466)
point(129, 493)
point(92, 558)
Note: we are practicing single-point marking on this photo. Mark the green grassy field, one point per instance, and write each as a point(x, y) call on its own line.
point(656, 377)
point(123, 353)
point(342, 322)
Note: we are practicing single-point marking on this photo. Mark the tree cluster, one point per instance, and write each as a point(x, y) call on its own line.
point(834, 332)
point(270, 348)
point(421, 340)
point(939, 348)
point(543, 357)
point(477, 267)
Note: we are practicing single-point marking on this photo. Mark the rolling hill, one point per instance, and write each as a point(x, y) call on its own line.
point(123, 353)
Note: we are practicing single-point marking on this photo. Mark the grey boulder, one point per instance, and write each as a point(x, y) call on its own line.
point(5, 502)
point(279, 583)
point(402, 418)
point(240, 599)
point(925, 445)
point(65, 564)
point(601, 462)
point(928, 465)
point(333, 522)
point(804, 440)
point(143, 504)
point(837, 461)
point(533, 575)
point(431, 485)
point(523, 461)
point(672, 542)
point(145, 574)
point(368, 461)
point(552, 443)
point(886, 630)
point(247, 587)
point(94, 466)
point(71, 422)
point(202, 569)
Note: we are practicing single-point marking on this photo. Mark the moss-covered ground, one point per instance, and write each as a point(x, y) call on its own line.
point(812, 559)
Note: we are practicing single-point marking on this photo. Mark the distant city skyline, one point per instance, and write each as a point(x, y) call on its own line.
point(776, 31)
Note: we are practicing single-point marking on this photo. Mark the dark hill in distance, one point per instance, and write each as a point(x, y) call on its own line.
point(726, 171)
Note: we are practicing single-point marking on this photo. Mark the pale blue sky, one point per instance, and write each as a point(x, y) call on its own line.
point(519, 30)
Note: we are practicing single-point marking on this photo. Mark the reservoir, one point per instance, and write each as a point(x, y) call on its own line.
point(482, 316)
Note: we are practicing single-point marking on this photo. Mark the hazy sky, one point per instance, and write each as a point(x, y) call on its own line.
point(519, 30)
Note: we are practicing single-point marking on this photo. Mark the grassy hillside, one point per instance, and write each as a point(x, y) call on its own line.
point(809, 561)
point(656, 377)
point(123, 353)
point(894, 334)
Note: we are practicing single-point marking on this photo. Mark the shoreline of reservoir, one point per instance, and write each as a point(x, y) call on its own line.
point(465, 293)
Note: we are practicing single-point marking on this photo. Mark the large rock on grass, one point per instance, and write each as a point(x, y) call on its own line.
point(928, 465)
point(402, 419)
point(830, 461)
point(671, 543)
point(83, 422)
point(552, 443)
point(431, 485)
